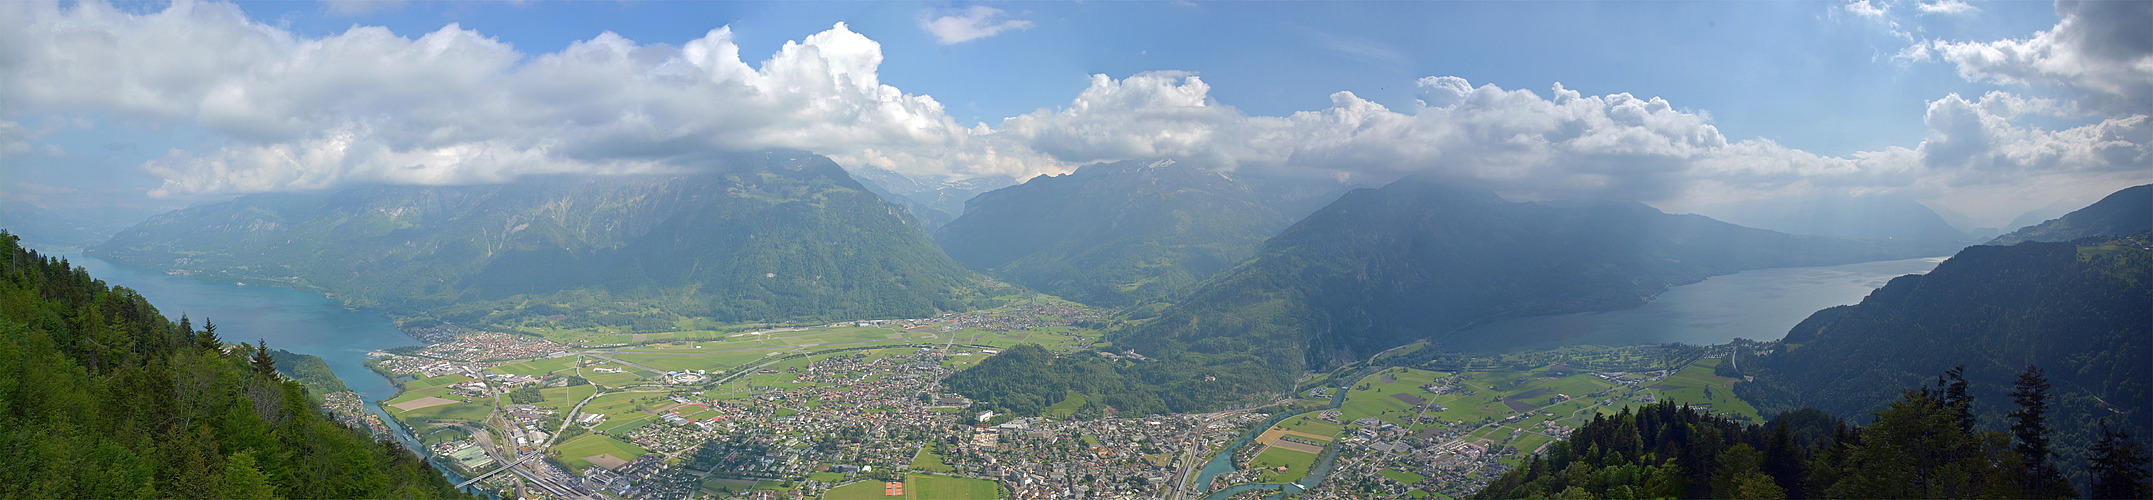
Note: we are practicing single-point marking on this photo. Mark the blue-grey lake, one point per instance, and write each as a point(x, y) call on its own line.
point(1756, 305)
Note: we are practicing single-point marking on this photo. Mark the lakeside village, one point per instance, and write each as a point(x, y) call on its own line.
point(860, 422)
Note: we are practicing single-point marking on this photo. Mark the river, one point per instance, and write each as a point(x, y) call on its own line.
point(1757, 305)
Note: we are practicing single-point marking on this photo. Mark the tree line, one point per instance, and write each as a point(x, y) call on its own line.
point(103, 397)
point(1923, 445)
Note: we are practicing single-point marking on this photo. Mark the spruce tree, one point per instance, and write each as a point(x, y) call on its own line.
point(208, 340)
point(2118, 465)
point(2029, 431)
point(1953, 384)
point(264, 364)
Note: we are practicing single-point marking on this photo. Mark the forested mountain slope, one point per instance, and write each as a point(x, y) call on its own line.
point(773, 236)
point(2122, 212)
point(1113, 234)
point(102, 397)
point(2084, 310)
point(1417, 259)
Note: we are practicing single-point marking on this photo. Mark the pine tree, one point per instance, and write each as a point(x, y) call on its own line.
point(2029, 430)
point(264, 364)
point(2118, 465)
point(1953, 384)
point(208, 339)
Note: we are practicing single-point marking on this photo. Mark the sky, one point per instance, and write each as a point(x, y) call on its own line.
point(1989, 109)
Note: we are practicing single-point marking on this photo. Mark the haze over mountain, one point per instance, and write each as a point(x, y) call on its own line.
point(1420, 259)
point(937, 192)
point(774, 236)
point(1865, 216)
point(48, 230)
point(1113, 234)
point(2078, 310)
point(928, 217)
point(2123, 212)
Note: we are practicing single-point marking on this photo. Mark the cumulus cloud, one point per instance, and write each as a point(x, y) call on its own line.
point(14, 139)
point(1565, 144)
point(2101, 53)
point(1946, 7)
point(454, 106)
point(973, 23)
point(1866, 9)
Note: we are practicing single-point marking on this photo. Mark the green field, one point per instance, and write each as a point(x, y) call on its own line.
point(930, 461)
point(1371, 396)
point(1310, 424)
point(1296, 463)
point(933, 487)
point(571, 453)
point(863, 490)
point(538, 367)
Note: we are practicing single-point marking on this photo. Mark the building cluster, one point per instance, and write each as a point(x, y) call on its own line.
point(1023, 317)
point(487, 346)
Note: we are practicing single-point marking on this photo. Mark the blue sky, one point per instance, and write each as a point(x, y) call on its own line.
point(1988, 108)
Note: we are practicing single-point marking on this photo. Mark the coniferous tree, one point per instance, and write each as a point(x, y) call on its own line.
point(208, 338)
point(2118, 465)
point(1953, 384)
point(264, 364)
point(2029, 430)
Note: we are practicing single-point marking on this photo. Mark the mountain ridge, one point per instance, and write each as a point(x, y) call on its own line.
point(771, 236)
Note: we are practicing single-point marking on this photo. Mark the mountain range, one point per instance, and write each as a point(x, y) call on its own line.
point(2079, 310)
point(2122, 212)
point(1843, 216)
point(771, 236)
point(1419, 259)
point(1114, 234)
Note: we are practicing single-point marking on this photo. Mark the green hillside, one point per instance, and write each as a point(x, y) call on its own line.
point(2081, 310)
point(775, 236)
point(1418, 259)
point(1113, 234)
point(2120, 213)
point(102, 397)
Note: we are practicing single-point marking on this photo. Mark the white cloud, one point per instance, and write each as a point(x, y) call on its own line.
point(2101, 53)
point(1567, 144)
point(14, 139)
point(1946, 7)
point(1866, 9)
point(976, 22)
point(454, 106)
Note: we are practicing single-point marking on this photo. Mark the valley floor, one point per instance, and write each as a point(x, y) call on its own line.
point(855, 410)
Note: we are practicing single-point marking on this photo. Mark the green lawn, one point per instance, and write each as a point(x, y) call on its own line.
point(863, 490)
point(1296, 463)
point(572, 452)
point(1310, 424)
point(929, 460)
point(1068, 405)
point(933, 487)
point(538, 366)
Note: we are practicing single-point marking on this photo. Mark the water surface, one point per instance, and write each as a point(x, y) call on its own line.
point(1756, 305)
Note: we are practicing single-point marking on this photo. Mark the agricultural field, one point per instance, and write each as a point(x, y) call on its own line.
point(574, 453)
point(538, 367)
point(929, 460)
point(1527, 409)
point(1296, 463)
point(935, 487)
